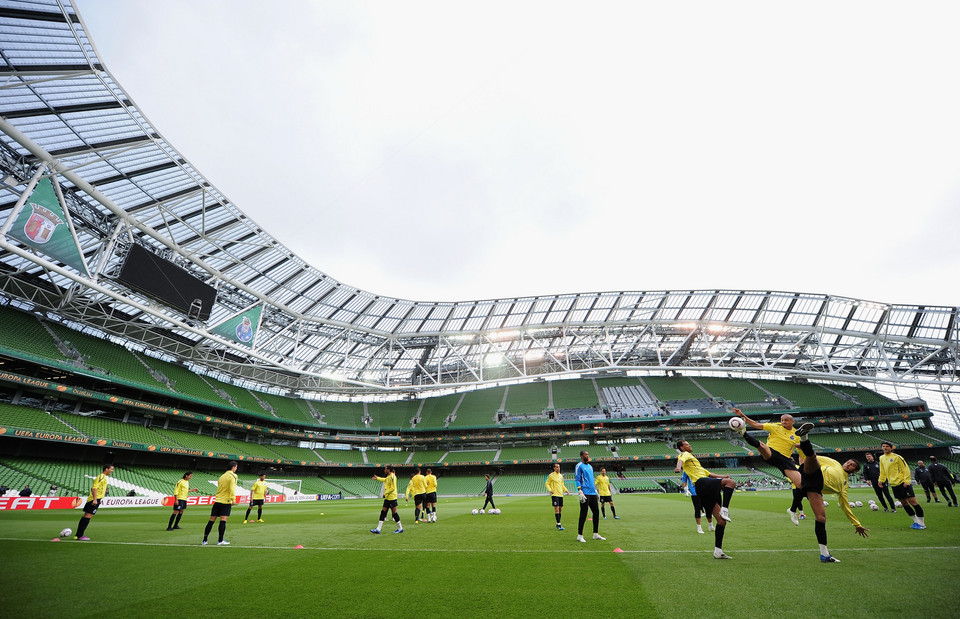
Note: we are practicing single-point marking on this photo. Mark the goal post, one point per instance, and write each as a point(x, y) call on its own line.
point(287, 486)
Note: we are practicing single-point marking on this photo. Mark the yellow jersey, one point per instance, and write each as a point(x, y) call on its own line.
point(431, 481)
point(181, 490)
point(259, 490)
point(99, 488)
point(780, 439)
point(555, 484)
point(389, 487)
point(417, 485)
point(837, 481)
point(603, 485)
point(894, 469)
point(691, 466)
point(227, 488)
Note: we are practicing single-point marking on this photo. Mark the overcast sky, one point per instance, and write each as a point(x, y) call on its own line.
point(451, 151)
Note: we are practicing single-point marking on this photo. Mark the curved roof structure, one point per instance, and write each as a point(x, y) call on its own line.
point(63, 116)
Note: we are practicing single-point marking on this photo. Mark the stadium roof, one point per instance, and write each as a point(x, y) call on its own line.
point(62, 114)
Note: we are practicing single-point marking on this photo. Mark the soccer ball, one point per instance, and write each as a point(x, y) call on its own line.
point(874, 507)
point(495, 512)
point(859, 503)
point(826, 503)
point(475, 512)
point(481, 512)
point(66, 532)
point(851, 504)
point(736, 423)
point(898, 504)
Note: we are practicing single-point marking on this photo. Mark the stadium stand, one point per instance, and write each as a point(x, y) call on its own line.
point(574, 394)
point(508, 454)
point(100, 427)
point(711, 446)
point(470, 456)
point(30, 418)
point(341, 456)
point(529, 399)
point(392, 415)
point(479, 408)
point(739, 392)
point(348, 415)
point(809, 396)
point(672, 388)
point(645, 448)
point(435, 411)
point(291, 452)
point(428, 457)
point(22, 333)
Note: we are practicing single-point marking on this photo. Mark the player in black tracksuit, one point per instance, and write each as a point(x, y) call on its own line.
point(871, 472)
point(922, 475)
point(489, 492)
point(941, 476)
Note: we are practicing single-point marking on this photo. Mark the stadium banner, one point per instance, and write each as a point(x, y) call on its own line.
point(241, 327)
point(44, 225)
point(41, 502)
point(330, 497)
point(132, 501)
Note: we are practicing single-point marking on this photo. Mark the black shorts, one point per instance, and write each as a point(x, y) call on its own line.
point(903, 492)
point(430, 497)
point(221, 509)
point(556, 501)
point(179, 505)
point(418, 499)
point(812, 482)
point(606, 498)
point(781, 462)
point(256, 502)
point(388, 503)
point(697, 507)
point(708, 491)
point(90, 507)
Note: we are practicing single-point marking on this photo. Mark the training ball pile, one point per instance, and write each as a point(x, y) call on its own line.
point(66, 533)
point(735, 423)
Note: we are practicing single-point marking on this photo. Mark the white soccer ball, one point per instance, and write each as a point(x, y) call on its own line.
point(735, 423)
point(898, 504)
point(851, 504)
point(859, 503)
point(66, 532)
point(495, 512)
point(874, 507)
point(826, 503)
point(475, 512)
point(481, 512)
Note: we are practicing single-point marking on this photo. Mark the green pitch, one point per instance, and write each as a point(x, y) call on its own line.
point(514, 564)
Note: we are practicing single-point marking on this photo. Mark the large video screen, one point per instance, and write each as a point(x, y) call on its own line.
point(164, 281)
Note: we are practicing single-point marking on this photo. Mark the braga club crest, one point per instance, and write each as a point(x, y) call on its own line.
point(41, 224)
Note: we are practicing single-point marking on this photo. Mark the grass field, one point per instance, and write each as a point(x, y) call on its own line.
point(513, 565)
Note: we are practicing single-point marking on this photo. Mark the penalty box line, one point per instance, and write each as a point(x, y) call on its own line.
point(478, 550)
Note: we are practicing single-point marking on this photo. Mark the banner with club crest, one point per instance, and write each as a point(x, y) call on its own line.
point(44, 225)
point(241, 327)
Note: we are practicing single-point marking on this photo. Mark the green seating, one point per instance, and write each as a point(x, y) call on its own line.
point(579, 393)
point(673, 388)
point(30, 418)
point(479, 408)
point(529, 399)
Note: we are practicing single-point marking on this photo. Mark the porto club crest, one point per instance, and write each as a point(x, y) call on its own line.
point(245, 330)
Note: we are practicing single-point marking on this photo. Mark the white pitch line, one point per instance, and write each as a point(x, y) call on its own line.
point(482, 550)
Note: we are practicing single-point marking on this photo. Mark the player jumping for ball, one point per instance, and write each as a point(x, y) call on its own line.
point(777, 451)
point(826, 475)
point(715, 492)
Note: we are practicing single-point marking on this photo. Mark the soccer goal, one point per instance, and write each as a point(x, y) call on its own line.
point(286, 486)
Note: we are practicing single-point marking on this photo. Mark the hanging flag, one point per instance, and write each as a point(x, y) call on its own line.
point(44, 225)
point(241, 327)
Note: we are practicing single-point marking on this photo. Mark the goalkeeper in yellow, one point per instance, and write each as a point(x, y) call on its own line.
point(557, 489)
point(822, 475)
point(389, 498)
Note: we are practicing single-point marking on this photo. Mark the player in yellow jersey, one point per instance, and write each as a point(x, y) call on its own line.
point(778, 451)
point(180, 492)
point(97, 491)
point(605, 494)
point(557, 489)
point(822, 475)
point(430, 500)
point(715, 492)
point(389, 480)
point(895, 471)
point(223, 502)
point(418, 488)
point(258, 495)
